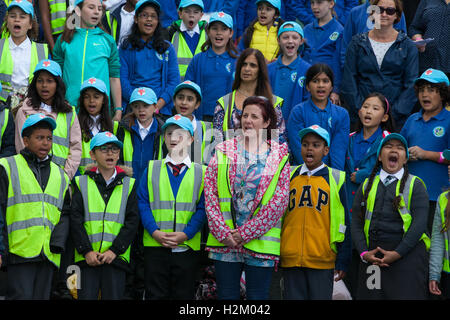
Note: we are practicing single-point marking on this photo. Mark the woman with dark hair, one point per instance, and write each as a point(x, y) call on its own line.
point(85, 50)
point(246, 193)
point(147, 60)
point(381, 60)
point(46, 94)
point(251, 79)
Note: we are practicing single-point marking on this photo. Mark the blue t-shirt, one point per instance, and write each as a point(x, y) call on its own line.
point(431, 135)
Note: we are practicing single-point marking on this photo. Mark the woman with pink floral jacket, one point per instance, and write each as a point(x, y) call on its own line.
point(246, 194)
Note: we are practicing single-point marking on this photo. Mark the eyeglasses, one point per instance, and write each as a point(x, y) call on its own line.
point(145, 16)
point(106, 149)
point(389, 11)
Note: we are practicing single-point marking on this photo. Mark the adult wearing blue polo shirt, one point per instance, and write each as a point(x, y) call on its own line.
point(287, 76)
point(427, 134)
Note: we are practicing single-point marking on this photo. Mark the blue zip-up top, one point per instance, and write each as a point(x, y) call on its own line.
point(324, 46)
point(148, 68)
point(395, 79)
point(333, 118)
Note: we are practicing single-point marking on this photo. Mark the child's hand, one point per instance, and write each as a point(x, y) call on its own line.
point(117, 116)
point(416, 153)
point(230, 242)
point(161, 237)
point(175, 238)
point(237, 237)
point(92, 258)
point(334, 97)
point(339, 275)
point(369, 256)
point(107, 257)
point(353, 177)
point(433, 285)
point(389, 257)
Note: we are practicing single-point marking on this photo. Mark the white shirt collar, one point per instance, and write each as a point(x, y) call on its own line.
point(194, 122)
point(190, 32)
point(398, 174)
point(304, 169)
point(186, 161)
point(24, 45)
point(112, 177)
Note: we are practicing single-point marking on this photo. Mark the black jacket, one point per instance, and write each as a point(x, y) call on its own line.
point(127, 233)
point(8, 147)
point(60, 233)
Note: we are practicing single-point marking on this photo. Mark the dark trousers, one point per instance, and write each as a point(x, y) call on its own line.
point(308, 284)
point(170, 275)
point(404, 279)
point(106, 282)
point(30, 281)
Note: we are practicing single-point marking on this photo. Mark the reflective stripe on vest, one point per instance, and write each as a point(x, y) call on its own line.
point(103, 222)
point(405, 204)
point(183, 51)
point(173, 214)
point(57, 15)
point(4, 116)
point(39, 51)
point(112, 23)
point(127, 149)
point(86, 147)
point(61, 137)
point(441, 206)
point(31, 215)
point(227, 104)
point(269, 243)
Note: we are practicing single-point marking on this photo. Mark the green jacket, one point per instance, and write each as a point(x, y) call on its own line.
point(91, 53)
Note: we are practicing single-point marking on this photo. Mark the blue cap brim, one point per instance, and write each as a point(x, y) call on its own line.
point(49, 120)
point(305, 131)
point(393, 136)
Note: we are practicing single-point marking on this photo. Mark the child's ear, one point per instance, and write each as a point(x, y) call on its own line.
point(326, 150)
point(92, 154)
point(179, 13)
point(26, 141)
point(385, 118)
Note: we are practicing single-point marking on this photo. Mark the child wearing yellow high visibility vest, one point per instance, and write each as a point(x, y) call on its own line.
point(439, 251)
point(36, 206)
point(104, 221)
point(171, 204)
point(315, 235)
point(389, 223)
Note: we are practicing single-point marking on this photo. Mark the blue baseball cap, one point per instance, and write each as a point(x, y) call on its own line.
point(94, 83)
point(36, 118)
point(392, 136)
point(25, 5)
point(434, 76)
point(188, 85)
point(273, 3)
point(49, 66)
point(321, 132)
point(182, 122)
point(77, 2)
point(223, 17)
point(187, 3)
point(103, 138)
point(143, 94)
point(142, 2)
point(295, 27)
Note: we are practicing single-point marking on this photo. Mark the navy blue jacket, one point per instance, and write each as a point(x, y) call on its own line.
point(395, 79)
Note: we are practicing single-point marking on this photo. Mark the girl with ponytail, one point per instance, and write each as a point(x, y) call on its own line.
point(389, 222)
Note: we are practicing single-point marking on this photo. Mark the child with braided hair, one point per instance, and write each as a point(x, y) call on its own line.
point(388, 228)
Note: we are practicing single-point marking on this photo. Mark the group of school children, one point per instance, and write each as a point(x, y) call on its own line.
point(109, 161)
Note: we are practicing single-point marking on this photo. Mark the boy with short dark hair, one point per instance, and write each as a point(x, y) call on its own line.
point(315, 235)
point(104, 221)
point(188, 34)
point(427, 134)
point(35, 204)
point(171, 204)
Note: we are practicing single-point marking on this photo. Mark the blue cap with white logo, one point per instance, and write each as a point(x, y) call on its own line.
point(295, 27)
point(434, 76)
point(25, 5)
point(393, 136)
point(182, 122)
point(36, 118)
point(188, 85)
point(143, 94)
point(94, 83)
point(187, 3)
point(223, 17)
point(49, 66)
point(318, 130)
point(103, 138)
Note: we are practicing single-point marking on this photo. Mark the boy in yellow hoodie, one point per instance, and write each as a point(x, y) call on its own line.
point(315, 235)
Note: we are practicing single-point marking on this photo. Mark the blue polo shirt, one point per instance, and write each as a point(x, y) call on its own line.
point(431, 135)
point(360, 146)
point(324, 46)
